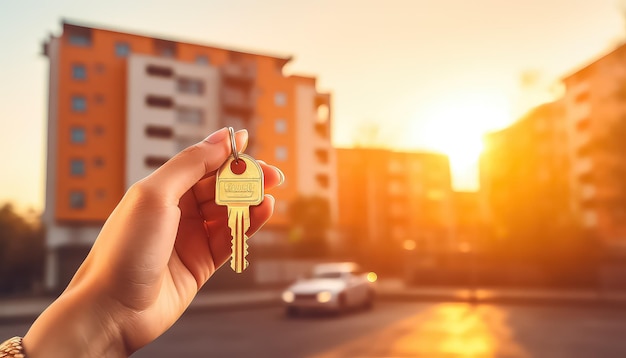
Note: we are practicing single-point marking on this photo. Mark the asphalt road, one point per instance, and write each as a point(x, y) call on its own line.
point(395, 330)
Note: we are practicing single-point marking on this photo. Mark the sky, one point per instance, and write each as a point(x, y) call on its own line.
point(404, 74)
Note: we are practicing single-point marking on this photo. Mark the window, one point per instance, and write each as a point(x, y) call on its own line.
point(583, 124)
point(435, 195)
point(101, 194)
point(280, 99)
point(77, 135)
point(165, 48)
point(582, 97)
point(77, 167)
point(79, 72)
point(235, 122)
point(202, 60)
point(280, 126)
point(167, 52)
point(80, 39)
point(190, 86)
point(158, 101)
point(394, 166)
point(185, 142)
point(281, 207)
point(281, 153)
point(98, 162)
point(189, 115)
point(122, 49)
point(159, 132)
point(159, 71)
point(77, 199)
point(79, 104)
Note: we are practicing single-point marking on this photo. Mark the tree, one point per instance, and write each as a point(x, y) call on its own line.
point(310, 221)
point(21, 251)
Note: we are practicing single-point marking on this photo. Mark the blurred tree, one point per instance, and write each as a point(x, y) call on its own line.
point(21, 251)
point(310, 221)
point(368, 135)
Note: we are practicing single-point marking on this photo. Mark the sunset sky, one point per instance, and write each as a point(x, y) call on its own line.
point(405, 74)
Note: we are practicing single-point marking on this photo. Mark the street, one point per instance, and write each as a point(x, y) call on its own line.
point(394, 330)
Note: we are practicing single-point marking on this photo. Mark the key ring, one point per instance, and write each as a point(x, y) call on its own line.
point(233, 145)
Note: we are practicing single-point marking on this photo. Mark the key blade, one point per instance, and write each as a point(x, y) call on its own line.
point(239, 223)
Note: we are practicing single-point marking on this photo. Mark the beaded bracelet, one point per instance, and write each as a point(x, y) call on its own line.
point(12, 348)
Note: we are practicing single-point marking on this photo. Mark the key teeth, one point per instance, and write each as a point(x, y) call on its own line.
point(233, 265)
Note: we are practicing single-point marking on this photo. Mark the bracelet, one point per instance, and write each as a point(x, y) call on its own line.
point(12, 348)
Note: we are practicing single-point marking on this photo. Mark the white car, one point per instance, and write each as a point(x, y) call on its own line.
point(331, 287)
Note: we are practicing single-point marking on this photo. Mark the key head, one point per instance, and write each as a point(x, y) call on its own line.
point(235, 185)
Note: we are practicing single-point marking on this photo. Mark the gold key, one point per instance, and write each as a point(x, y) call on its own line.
point(238, 185)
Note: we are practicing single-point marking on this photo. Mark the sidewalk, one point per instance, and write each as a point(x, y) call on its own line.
point(396, 290)
point(27, 309)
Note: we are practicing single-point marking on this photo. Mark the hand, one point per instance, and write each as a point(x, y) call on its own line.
point(162, 242)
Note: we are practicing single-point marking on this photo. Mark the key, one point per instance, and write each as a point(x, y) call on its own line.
point(238, 185)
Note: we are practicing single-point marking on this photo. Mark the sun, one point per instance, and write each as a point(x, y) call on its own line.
point(455, 126)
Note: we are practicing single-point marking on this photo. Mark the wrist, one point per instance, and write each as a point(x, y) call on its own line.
point(78, 324)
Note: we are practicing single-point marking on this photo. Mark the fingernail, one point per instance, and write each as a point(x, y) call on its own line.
point(282, 176)
point(245, 144)
point(217, 136)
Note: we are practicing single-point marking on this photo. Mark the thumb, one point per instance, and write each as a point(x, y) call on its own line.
point(179, 174)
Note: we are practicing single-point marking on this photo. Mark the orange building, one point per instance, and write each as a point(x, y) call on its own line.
point(391, 203)
point(595, 103)
point(525, 183)
point(121, 104)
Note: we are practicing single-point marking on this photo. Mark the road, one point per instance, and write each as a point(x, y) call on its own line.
point(395, 330)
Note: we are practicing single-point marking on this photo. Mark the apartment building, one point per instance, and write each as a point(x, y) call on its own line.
point(392, 203)
point(121, 104)
point(525, 183)
point(595, 109)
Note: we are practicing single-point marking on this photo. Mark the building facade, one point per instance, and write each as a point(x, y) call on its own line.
point(525, 183)
point(595, 103)
point(121, 104)
point(392, 203)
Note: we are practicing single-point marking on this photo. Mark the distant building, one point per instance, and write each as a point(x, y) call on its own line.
point(393, 202)
point(470, 227)
point(595, 109)
point(524, 180)
point(121, 104)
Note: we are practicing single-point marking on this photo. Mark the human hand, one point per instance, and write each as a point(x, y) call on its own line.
point(162, 242)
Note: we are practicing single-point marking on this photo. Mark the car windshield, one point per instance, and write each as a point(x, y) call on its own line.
point(327, 275)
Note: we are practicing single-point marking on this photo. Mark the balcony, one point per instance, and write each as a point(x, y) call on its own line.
point(587, 191)
point(237, 102)
point(238, 74)
point(322, 130)
point(583, 124)
point(586, 177)
point(583, 165)
point(322, 156)
point(322, 180)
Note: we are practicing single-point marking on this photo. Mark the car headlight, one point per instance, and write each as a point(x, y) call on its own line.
point(324, 296)
point(288, 296)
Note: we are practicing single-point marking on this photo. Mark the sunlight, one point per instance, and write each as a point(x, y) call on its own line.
point(455, 126)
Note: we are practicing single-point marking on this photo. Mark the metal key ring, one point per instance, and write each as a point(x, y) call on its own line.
point(233, 145)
